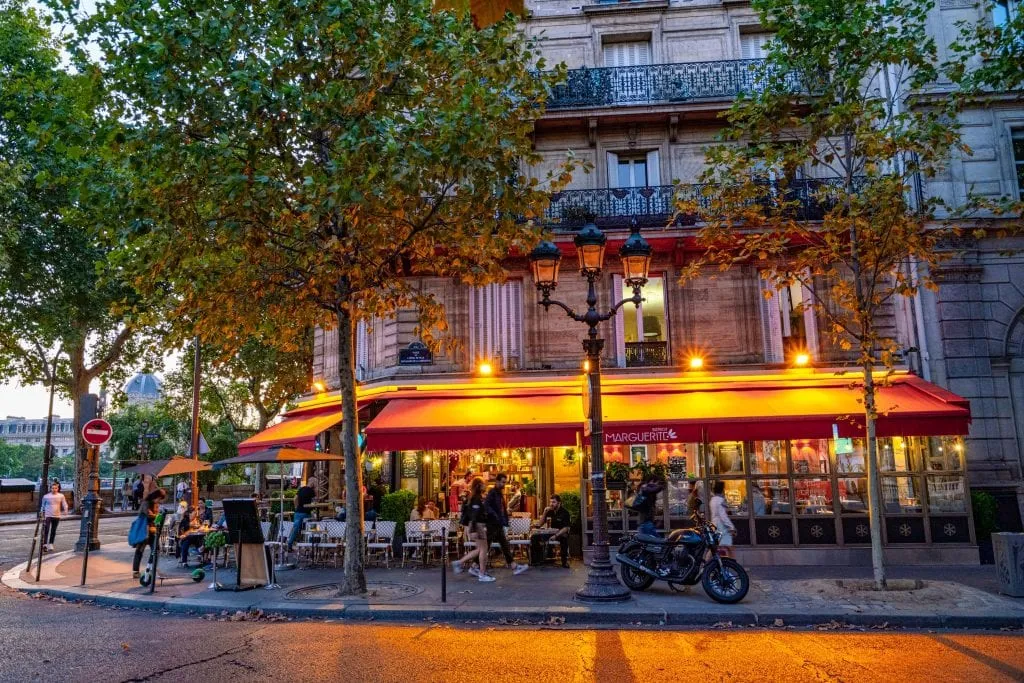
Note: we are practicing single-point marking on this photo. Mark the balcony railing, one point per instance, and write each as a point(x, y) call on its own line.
point(659, 84)
point(646, 354)
point(655, 206)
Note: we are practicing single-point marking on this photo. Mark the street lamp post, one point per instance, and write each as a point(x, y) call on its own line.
point(602, 584)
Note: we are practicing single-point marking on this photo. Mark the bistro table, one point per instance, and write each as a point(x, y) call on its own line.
point(539, 546)
point(196, 539)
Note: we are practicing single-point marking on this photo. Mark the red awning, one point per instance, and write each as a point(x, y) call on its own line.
point(300, 432)
point(480, 422)
point(638, 412)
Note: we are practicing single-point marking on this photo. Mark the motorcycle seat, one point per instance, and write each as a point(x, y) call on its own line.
point(646, 538)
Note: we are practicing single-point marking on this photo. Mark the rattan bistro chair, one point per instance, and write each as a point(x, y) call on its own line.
point(379, 541)
point(519, 535)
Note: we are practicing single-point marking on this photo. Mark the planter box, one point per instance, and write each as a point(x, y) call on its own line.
point(1009, 553)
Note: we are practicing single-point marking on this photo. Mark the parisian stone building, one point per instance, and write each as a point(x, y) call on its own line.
point(647, 82)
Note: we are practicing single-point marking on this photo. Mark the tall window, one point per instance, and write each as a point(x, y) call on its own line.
point(788, 323)
point(628, 85)
point(1003, 11)
point(1017, 137)
point(634, 170)
point(642, 330)
point(496, 324)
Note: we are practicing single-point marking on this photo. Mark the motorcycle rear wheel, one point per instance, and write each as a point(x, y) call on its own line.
point(728, 584)
point(634, 578)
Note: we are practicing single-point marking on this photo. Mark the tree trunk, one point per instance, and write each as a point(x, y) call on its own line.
point(874, 499)
point(82, 464)
point(355, 577)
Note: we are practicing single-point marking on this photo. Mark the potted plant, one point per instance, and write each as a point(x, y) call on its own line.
point(572, 503)
point(397, 507)
point(215, 540)
point(983, 506)
point(616, 474)
point(530, 496)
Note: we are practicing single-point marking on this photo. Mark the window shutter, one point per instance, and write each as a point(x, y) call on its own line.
point(754, 45)
point(627, 54)
point(810, 323)
point(771, 324)
point(613, 169)
point(362, 351)
point(620, 328)
point(653, 169)
point(496, 324)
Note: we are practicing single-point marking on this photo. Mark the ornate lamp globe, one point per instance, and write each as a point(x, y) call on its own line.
point(636, 258)
point(590, 243)
point(544, 260)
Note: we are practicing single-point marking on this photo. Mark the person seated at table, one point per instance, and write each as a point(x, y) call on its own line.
point(186, 538)
point(429, 511)
point(207, 513)
point(340, 513)
point(417, 512)
point(557, 517)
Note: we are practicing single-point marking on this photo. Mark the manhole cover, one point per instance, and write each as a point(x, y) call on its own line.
point(377, 591)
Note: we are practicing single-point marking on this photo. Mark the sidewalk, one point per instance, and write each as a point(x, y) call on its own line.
point(541, 595)
point(16, 518)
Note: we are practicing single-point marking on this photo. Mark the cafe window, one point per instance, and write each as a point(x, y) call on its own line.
point(941, 453)
point(901, 495)
point(898, 455)
point(770, 497)
point(725, 457)
point(496, 324)
point(853, 495)
point(768, 457)
point(813, 496)
point(788, 322)
point(735, 497)
point(850, 455)
point(946, 495)
point(810, 456)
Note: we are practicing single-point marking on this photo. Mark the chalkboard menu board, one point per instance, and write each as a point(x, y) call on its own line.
point(677, 467)
point(409, 465)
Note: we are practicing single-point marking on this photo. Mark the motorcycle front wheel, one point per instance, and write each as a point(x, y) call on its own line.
point(728, 584)
point(634, 578)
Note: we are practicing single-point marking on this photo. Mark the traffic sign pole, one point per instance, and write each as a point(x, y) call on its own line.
point(95, 433)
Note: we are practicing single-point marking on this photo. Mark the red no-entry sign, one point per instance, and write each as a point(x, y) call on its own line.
point(97, 432)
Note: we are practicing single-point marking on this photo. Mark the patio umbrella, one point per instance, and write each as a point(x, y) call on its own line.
point(281, 455)
point(169, 468)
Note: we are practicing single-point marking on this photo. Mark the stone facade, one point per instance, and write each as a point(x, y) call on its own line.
point(968, 336)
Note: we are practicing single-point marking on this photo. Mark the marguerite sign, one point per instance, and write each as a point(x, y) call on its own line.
point(641, 435)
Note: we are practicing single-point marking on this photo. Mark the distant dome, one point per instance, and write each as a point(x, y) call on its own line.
point(142, 388)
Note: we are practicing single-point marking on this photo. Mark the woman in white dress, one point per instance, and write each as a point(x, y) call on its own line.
point(720, 518)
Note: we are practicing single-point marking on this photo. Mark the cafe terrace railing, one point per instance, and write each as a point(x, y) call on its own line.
point(655, 206)
point(646, 354)
point(659, 84)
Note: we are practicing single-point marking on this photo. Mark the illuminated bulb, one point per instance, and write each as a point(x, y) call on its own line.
point(696, 363)
point(426, 459)
point(319, 386)
point(802, 359)
point(586, 366)
point(485, 369)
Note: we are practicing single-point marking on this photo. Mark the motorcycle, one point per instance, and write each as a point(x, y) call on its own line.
point(683, 558)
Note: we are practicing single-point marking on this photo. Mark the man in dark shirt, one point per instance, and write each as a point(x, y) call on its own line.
point(497, 520)
point(557, 517)
point(303, 497)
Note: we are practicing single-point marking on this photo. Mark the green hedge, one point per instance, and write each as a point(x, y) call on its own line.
point(985, 520)
point(396, 507)
point(571, 502)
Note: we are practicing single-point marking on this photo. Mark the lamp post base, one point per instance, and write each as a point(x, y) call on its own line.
point(602, 585)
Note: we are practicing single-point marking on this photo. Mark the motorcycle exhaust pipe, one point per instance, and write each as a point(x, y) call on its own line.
point(622, 559)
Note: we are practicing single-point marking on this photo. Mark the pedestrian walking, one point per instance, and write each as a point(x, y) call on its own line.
point(473, 520)
point(497, 520)
point(138, 491)
point(150, 508)
point(645, 502)
point(126, 494)
point(55, 506)
point(720, 518)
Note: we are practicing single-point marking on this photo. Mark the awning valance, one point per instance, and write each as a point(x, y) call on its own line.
point(300, 432)
point(481, 422)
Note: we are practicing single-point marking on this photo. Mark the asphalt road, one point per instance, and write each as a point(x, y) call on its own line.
point(42, 639)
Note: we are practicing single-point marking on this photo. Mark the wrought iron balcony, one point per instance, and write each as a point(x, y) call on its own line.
point(646, 354)
point(655, 206)
point(658, 84)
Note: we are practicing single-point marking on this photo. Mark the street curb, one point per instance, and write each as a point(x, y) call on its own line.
point(66, 518)
point(570, 615)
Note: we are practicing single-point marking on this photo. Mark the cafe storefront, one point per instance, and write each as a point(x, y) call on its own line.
point(789, 448)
